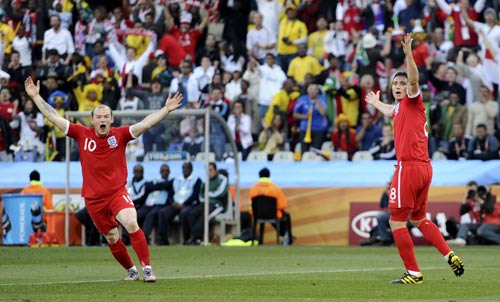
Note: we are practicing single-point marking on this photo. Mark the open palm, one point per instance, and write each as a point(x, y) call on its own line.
point(372, 97)
point(172, 103)
point(31, 89)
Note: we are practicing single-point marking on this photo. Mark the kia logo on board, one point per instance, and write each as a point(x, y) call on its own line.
point(364, 222)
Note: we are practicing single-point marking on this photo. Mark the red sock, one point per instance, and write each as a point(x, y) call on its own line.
point(433, 235)
point(404, 242)
point(140, 246)
point(119, 251)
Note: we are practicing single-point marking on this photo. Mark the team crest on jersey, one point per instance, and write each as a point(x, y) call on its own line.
point(396, 109)
point(112, 142)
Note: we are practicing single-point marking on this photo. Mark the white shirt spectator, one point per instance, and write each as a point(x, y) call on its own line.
point(271, 81)
point(336, 42)
point(233, 89)
point(493, 34)
point(22, 45)
point(244, 127)
point(124, 66)
point(192, 89)
point(257, 39)
point(28, 138)
point(61, 40)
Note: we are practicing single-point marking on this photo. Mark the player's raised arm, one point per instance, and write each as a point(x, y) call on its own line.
point(374, 99)
point(411, 67)
point(50, 113)
point(154, 118)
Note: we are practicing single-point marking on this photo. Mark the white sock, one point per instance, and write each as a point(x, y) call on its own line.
point(413, 273)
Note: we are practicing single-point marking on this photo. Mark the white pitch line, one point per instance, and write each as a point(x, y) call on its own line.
point(221, 276)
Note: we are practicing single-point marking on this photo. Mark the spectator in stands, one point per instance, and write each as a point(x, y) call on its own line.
point(159, 193)
point(22, 45)
point(218, 186)
point(193, 142)
point(30, 129)
point(186, 36)
point(172, 49)
point(491, 30)
point(6, 140)
point(187, 84)
point(60, 102)
point(368, 133)
point(310, 110)
point(452, 112)
point(272, 78)
point(459, 143)
point(36, 187)
point(233, 88)
point(272, 137)
point(250, 104)
point(490, 225)
point(350, 97)
point(210, 50)
point(17, 71)
point(280, 103)
point(111, 92)
point(336, 44)
point(330, 79)
point(483, 146)
point(303, 64)
point(204, 75)
point(7, 34)
point(219, 104)
point(383, 147)
point(186, 190)
point(240, 127)
point(463, 34)
point(473, 71)
point(53, 65)
point(271, 11)
point(125, 61)
point(316, 40)
point(260, 40)
point(292, 32)
point(8, 106)
point(265, 187)
point(470, 215)
point(450, 83)
point(343, 137)
point(59, 39)
point(484, 111)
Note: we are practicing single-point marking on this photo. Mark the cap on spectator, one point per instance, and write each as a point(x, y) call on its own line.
point(290, 6)
point(369, 41)
point(342, 118)
point(186, 17)
point(425, 87)
point(158, 53)
point(52, 52)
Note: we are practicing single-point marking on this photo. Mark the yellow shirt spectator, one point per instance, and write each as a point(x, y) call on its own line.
point(292, 30)
point(8, 36)
point(300, 66)
point(281, 100)
point(316, 43)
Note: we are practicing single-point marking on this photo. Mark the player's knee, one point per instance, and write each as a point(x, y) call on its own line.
point(397, 224)
point(112, 236)
point(131, 226)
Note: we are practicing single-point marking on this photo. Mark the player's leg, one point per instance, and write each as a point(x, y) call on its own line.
point(401, 200)
point(107, 225)
point(128, 218)
point(431, 233)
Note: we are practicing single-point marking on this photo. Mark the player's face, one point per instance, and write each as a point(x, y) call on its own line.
point(102, 120)
point(399, 87)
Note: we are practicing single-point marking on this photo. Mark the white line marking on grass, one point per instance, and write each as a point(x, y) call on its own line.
point(219, 276)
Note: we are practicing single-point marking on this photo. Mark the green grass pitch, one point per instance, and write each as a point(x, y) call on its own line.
point(246, 274)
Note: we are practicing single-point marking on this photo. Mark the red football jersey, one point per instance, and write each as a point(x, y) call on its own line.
point(104, 165)
point(411, 132)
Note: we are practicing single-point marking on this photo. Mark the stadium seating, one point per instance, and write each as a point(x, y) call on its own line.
point(201, 157)
point(362, 155)
point(283, 156)
point(338, 156)
point(311, 156)
point(257, 156)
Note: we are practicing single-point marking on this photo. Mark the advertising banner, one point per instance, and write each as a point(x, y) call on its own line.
point(20, 213)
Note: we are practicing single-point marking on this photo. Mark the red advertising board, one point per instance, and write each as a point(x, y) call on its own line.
point(362, 218)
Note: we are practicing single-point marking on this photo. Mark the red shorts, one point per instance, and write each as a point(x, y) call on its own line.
point(103, 211)
point(409, 189)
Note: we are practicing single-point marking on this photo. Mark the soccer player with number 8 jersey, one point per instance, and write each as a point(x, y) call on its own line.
point(408, 194)
point(104, 169)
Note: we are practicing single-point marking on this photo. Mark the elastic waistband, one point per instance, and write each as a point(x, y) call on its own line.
point(412, 163)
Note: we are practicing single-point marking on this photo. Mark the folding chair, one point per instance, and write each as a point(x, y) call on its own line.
point(264, 211)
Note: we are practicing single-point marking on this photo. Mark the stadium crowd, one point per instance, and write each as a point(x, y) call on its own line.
point(284, 74)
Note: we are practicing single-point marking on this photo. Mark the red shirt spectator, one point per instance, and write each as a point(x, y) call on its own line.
point(173, 50)
point(186, 36)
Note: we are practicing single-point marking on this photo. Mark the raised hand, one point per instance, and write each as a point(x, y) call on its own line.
point(407, 40)
point(31, 89)
point(174, 102)
point(372, 97)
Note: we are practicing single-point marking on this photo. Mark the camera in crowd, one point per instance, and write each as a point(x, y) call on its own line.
point(482, 192)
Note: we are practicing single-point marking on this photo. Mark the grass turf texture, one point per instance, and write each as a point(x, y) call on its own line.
point(246, 274)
